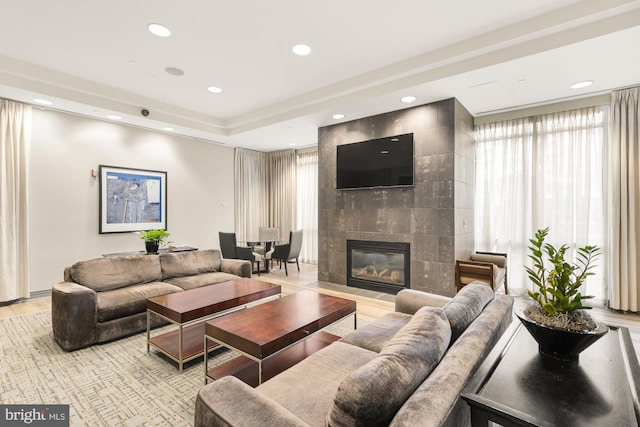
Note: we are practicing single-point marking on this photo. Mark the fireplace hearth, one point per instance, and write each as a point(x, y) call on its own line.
point(378, 266)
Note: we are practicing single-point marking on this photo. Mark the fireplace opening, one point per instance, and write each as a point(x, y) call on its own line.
point(378, 266)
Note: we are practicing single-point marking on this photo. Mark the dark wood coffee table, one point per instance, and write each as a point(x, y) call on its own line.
point(190, 309)
point(274, 336)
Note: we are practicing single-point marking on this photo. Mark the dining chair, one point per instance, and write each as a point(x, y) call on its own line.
point(245, 252)
point(228, 244)
point(269, 237)
point(289, 251)
point(230, 250)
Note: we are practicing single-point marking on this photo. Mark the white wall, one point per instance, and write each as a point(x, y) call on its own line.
point(64, 197)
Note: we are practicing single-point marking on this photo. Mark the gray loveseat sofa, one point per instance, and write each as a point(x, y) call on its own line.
point(406, 368)
point(106, 298)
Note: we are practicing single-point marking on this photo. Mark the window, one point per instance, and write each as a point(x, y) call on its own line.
point(537, 172)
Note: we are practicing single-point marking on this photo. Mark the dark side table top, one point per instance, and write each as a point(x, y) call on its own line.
point(516, 387)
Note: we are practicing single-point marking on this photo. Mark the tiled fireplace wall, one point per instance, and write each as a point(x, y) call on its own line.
point(435, 216)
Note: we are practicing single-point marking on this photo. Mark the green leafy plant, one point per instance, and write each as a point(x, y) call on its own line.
point(154, 236)
point(559, 285)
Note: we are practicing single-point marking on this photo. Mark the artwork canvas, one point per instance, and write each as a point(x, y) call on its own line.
point(132, 199)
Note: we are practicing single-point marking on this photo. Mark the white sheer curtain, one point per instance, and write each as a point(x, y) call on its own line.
point(537, 172)
point(252, 193)
point(625, 199)
point(15, 141)
point(307, 210)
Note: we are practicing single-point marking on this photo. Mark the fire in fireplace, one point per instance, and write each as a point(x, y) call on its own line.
point(378, 266)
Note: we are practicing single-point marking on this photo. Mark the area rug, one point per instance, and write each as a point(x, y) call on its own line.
point(117, 383)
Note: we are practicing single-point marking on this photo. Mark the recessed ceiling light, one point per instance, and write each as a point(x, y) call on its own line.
point(174, 71)
point(114, 117)
point(338, 116)
point(301, 49)
point(292, 144)
point(214, 89)
point(384, 152)
point(580, 85)
point(408, 99)
point(169, 129)
point(42, 101)
point(159, 30)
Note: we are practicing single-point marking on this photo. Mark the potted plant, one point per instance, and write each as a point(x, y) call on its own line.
point(557, 318)
point(153, 239)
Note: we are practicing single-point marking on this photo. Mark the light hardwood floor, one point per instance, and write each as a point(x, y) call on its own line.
point(370, 305)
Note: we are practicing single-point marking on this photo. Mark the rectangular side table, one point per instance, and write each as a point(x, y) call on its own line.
point(516, 387)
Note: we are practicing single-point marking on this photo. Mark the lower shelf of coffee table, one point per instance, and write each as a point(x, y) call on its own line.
point(192, 339)
point(246, 369)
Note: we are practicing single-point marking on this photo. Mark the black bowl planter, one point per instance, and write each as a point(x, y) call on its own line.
point(561, 345)
point(152, 247)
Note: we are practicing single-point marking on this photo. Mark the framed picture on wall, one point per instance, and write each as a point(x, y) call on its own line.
point(132, 199)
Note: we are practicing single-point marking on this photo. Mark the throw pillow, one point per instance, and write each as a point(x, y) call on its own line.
point(371, 395)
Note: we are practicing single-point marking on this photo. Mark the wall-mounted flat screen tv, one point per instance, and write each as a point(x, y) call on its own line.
point(382, 162)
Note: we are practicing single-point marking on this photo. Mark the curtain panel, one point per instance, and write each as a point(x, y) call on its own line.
point(265, 192)
point(278, 189)
point(538, 172)
point(15, 142)
point(624, 200)
point(252, 193)
point(307, 211)
point(282, 191)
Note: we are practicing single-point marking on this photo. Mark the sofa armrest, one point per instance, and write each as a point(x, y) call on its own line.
point(239, 267)
point(73, 315)
point(409, 301)
point(230, 402)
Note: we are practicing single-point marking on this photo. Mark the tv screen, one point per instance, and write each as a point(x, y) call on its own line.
point(382, 162)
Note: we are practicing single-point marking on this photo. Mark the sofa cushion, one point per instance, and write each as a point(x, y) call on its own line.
point(189, 263)
point(307, 389)
point(199, 280)
point(466, 306)
point(103, 274)
point(124, 302)
point(372, 394)
point(378, 333)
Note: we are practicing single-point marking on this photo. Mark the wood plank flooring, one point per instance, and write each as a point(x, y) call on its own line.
point(370, 305)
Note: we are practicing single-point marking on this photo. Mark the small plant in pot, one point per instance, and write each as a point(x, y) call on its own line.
point(153, 239)
point(557, 319)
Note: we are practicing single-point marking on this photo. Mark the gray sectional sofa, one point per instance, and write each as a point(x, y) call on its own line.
point(106, 298)
point(406, 368)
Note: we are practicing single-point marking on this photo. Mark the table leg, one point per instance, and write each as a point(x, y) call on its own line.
point(206, 359)
point(180, 363)
point(355, 321)
point(148, 329)
point(479, 418)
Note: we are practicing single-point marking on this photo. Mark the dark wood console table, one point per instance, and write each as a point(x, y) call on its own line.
point(516, 387)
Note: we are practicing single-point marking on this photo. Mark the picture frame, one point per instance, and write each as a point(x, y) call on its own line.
point(132, 199)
